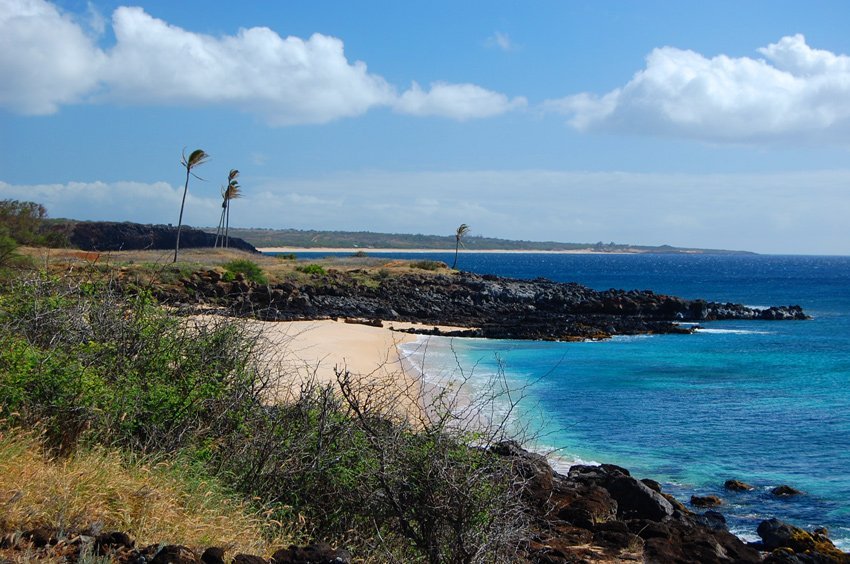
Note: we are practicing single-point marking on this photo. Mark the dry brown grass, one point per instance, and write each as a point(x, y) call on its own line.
point(154, 503)
point(149, 265)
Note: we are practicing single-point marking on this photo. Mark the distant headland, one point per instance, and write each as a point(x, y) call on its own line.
point(287, 240)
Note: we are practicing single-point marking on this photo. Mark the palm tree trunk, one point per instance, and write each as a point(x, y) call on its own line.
point(227, 228)
point(180, 220)
point(219, 231)
point(457, 247)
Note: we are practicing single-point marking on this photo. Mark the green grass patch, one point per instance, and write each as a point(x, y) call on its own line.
point(247, 268)
point(312, 269)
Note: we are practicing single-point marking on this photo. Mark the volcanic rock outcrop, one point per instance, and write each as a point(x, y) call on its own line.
point(488, 306)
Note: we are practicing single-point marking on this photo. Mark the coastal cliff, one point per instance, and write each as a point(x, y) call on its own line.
point(124, 236)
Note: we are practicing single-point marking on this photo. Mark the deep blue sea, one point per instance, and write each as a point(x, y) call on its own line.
point(763, 402)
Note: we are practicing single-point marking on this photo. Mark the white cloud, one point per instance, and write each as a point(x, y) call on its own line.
point(47, 60)
point(802, 212)
point(457, 101)
point(794, 91)
point(288, 80)
point(95, 20)
point(501, 41)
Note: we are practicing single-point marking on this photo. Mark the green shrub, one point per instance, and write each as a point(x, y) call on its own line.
point(123, 370)
point(360, 254)
point(24, 223)
point(9, 256)
point(286, 256)
point(248, 268)
point(312, 269)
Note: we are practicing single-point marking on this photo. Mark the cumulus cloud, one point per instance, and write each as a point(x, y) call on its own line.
point(289, 80)
point(794, 90)
point(457, 101)
point(48, 59)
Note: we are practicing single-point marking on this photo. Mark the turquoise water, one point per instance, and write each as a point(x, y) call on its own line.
point(763, 402)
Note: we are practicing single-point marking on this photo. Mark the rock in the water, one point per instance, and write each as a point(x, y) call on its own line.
point(780, 538)
point(706, 501)
point(776, 534)
point(785, 491)
point(737, 486)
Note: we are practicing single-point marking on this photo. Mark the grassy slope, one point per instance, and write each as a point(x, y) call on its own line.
point(154, 502)
point(156, 266)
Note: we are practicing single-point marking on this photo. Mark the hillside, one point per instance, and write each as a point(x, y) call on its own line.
point(307, 239)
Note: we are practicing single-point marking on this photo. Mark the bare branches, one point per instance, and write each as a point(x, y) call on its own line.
point(435, 479)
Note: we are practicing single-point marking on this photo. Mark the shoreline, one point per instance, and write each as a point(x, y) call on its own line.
point(465, 251)
point(313, 351)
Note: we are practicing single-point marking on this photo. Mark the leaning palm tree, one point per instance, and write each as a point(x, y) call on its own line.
point(219, 230)
point(227, 193)
point(459, 234)
point(196, 158)
point(233, 191)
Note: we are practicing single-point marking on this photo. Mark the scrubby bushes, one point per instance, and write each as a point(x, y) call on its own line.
point(246, 267)
point(334, 462)
point(311, 269)
point(24, 223)
point(83, 358)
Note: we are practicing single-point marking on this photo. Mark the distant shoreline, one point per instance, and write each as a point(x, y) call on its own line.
point(467, 251)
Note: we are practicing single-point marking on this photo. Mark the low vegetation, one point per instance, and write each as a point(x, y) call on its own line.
point(107, 488)
point(22, 223)
point(109, 387)
point(312, 269)
point(246, 267)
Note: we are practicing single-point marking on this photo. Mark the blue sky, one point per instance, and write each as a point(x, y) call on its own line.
point(721, 124)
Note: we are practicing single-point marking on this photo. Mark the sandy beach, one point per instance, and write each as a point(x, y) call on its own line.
point(316, 350)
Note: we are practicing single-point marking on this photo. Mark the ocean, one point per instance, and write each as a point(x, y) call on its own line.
point(764, 402)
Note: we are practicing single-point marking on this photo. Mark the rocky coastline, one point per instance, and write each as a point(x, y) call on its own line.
point(486, 306)
point(591, 514)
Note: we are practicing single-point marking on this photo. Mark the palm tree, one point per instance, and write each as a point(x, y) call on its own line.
point(219, 230)
point(459, 234)
point(197, 158)
point(232, 192)
point(229, 193)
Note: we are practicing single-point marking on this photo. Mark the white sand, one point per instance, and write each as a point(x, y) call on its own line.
point(318, 350)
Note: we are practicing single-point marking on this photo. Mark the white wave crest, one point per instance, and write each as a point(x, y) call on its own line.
point(732, 331)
